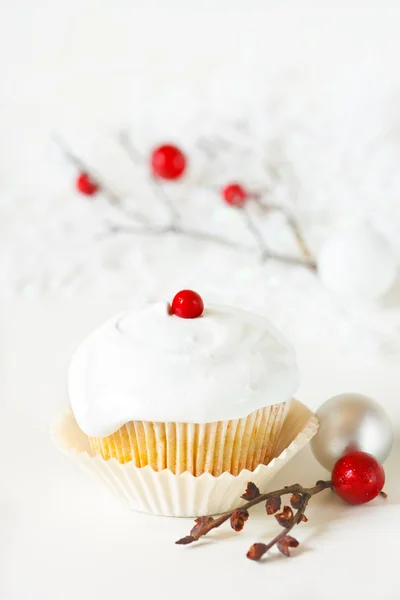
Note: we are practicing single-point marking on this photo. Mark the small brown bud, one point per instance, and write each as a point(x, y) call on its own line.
point(285, 543)
point(272, 505)
point(256, 551)
point(251, 492)
point(296, 500)
point(303, 518)
point(238, 519)
point(285, 517)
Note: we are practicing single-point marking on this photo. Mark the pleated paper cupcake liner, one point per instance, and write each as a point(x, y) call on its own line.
point(209, 447)
point(162, 492)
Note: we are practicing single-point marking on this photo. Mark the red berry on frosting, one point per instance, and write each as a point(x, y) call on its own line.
point(187, 305)
point(168, 162)
point(234, 194)
point(85, 185)
point(358, 477)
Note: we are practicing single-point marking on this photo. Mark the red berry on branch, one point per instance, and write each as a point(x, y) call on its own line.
point(86, 185)
point(168, 162)
point(358, 478)
point(234, 194)
point(187, 305)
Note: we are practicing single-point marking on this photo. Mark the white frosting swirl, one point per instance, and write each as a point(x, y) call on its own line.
point(152, 366)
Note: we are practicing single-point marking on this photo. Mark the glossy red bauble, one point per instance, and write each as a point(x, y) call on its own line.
point(234, 194)
point(187, 305)
point(86, 185)
point(168, 162)
point(358, 477)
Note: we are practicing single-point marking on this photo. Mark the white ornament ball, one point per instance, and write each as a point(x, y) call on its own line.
point(357, 262)
point(350, 422)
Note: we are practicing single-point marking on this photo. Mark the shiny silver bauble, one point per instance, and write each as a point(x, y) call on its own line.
point(350, 422)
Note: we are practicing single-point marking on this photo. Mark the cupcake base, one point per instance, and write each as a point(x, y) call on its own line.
point(184, 495)
point(198, 448)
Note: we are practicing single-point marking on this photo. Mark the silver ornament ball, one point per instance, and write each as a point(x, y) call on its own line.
point(350, 422)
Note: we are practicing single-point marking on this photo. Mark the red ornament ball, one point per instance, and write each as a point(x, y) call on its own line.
point(234, 194)
point(358, 478)
point(187, 305)
point(85, 185)
point(168, 162)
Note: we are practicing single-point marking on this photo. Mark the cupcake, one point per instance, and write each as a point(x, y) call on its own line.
point(180, 395)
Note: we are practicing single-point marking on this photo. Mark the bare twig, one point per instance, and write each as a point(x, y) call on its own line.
point(125, 142)
point(108, 193)
point(160, 191)
point(300, 497)
point(201, 236)
point(216, 239)
point(176, 229)
point(304, 249)
point(294, 226)
point(293, 260)
point(251, 226)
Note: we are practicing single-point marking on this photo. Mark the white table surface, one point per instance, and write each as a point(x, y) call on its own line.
point(64, 538)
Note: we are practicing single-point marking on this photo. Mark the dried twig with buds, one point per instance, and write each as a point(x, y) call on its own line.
point(299, 498)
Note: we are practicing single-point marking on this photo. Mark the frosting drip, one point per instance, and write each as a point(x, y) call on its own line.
point(153, 366)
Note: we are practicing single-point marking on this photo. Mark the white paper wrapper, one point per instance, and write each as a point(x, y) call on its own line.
point(184, 495)
point(213, 448)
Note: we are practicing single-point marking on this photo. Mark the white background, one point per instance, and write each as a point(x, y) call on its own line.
point(87, 68)
point(92, 64)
